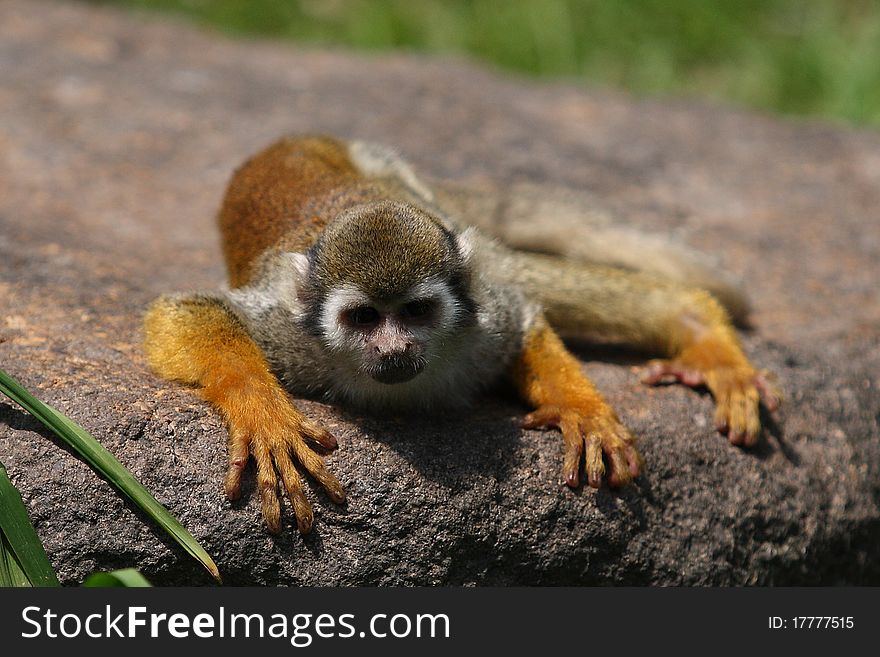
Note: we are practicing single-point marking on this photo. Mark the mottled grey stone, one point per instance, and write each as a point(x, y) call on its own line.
point(117, 136)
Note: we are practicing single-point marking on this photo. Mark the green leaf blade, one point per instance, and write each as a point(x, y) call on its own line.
point(127, 578)
point(101, 460)
point(13, 574)
point(22, 551)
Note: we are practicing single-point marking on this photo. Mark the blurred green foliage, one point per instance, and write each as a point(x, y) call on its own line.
point(813, 57)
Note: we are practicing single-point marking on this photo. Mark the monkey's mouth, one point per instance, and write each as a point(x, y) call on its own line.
point(396, 369)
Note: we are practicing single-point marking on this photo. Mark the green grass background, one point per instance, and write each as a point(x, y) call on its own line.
point(806, 57)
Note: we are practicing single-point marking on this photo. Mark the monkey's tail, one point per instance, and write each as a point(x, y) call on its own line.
point(597, 301)
point(560, 227)
point(561, 222)
point(654, 255)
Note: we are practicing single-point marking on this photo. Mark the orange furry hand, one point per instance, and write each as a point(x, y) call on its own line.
point(198, 339)
point(550, 379)
point(271, 429)
point(594, 436)
point(738, 388)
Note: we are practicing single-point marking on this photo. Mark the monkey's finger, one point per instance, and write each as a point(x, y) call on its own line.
point(722, 409)
point(595, 466)
point(574, 452)
point(635, 460)
point(267, 483)
point(542, 418)
point(238, 458)
point(293, 485)
point(691, 377)
point(314, 465)
point(744, 419)
point(769, 389)
point(657, 371)
point(660, 371)
point(318, 434)
point(627, 448)
point(753, 418)
point(619, 474)
point(736, 428)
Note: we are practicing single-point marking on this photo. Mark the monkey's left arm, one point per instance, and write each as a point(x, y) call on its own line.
point(687, 325)
point(550, 379)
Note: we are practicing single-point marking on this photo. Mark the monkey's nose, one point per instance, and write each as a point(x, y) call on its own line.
point(389, 351)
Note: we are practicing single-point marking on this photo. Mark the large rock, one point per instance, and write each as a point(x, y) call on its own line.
point(117, 136)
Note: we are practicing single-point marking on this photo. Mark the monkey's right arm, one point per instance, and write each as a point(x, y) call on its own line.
point(198, 340)
point(688, 326)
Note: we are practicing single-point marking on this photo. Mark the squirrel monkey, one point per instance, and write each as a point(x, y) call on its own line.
point(351, 280)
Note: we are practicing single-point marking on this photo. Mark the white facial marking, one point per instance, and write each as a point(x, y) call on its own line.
point(339, 300)
point(340, 337)
point(447, 310)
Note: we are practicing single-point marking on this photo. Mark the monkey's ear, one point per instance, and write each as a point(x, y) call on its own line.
point(298, 264)
point(466, 241)
point(296, 275)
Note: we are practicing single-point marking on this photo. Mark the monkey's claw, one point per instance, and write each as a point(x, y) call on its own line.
point(593, 440)
point(738, 391)
point(271, 433)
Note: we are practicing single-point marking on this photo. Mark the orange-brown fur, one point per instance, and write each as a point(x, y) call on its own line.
point(703, 349)
point(204, 344)
point(550, 379)
point(283, 197)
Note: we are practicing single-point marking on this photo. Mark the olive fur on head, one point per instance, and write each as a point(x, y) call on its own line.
point(384, 249)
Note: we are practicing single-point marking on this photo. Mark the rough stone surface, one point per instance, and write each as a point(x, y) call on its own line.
point(117, 135)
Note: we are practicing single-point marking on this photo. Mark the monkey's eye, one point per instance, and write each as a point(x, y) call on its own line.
point(363, 316)
point(418, 309)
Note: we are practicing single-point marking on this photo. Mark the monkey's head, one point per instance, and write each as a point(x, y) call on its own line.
point(386, 289)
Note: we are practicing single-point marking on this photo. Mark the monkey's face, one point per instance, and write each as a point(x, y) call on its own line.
point(386, 288)
point(391, 340)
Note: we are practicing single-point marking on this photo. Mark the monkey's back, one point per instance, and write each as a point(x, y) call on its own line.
point(284, 197)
